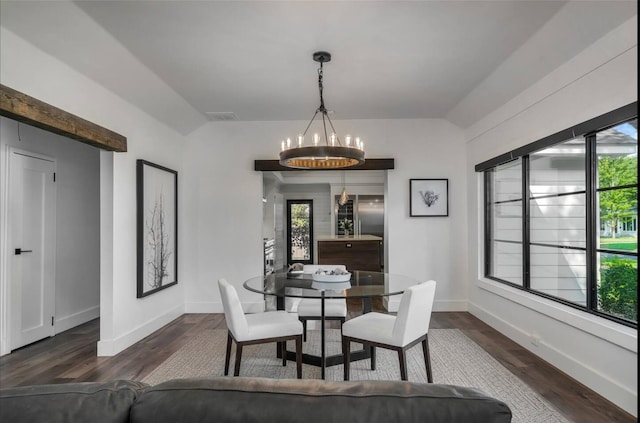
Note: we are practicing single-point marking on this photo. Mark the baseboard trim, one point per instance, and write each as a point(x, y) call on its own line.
point(110, 347)
point(76, 319)
point(617, 394)
point(216, 307)
point(203, 307)
point(391, 304)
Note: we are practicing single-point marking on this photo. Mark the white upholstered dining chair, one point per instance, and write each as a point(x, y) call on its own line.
point(310, 309)
point(398, 333)
point(258, 328)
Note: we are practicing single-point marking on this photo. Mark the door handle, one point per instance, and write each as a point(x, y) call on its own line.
point(20, 251)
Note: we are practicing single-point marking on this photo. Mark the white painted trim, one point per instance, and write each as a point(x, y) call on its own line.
point(392, 304)
point(607, 330)
point(216, 307)
point(4, 253)
point(203, 307)
point(585, 374)
point(110, 347)
point(106, 244)
point(450, 305)
point(76, 319)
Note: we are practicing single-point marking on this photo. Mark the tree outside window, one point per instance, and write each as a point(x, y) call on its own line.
point(618, 208)
point(300, 231)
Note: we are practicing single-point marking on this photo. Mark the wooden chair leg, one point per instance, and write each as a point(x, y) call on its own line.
point(304, 329)
point(283, 351)
point(236, 369)
point(346, 353)
point(403, 364)
point(228, 355)
point(299, 356)
point(427, 358)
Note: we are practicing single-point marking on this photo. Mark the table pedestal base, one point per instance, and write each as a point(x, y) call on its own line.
point(331, 360)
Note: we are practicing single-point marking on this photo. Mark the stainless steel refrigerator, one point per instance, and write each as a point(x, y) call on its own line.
point(365, 212)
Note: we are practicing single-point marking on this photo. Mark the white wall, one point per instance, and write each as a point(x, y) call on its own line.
point(220, 203)
point(225, 205)
point(77, 257)
point(124, 319)
point(598, 353)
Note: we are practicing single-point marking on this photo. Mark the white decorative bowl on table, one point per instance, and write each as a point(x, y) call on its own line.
point(345, 277)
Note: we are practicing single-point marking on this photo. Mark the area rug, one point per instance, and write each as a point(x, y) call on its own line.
point(455, 360)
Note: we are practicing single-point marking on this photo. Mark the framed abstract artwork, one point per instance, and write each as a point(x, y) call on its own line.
point(428, 197)
point(157, 227)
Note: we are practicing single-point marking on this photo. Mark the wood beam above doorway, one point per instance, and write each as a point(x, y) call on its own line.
point(369, 164)
point(23, 108)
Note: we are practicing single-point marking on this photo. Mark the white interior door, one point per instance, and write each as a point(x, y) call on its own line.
point(32, 225)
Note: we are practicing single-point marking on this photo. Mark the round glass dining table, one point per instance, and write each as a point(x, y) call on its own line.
point(362, 284)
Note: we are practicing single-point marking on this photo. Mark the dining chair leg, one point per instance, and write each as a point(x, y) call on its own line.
point(372, 350)
point(283, 351)
point(304, 329)
point(346, 354)
point(236, 368)
point(299, 356)
point(403, 364)
point(427, 358)
point(228, 356)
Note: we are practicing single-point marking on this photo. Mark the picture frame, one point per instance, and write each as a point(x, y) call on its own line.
point(428, 197)
point(157, 227)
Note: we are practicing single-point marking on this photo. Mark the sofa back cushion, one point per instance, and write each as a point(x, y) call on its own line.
point(313, 401)
point(95, 402)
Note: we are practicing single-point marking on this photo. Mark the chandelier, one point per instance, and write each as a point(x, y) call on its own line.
point(329, 153)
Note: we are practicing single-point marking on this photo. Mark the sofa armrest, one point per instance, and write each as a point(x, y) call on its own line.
point(314, 401)
point(108, 402)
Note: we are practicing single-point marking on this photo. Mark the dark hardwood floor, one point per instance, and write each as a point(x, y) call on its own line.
point(71, 357)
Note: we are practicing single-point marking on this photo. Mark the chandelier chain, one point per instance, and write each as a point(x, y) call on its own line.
point(320, 88)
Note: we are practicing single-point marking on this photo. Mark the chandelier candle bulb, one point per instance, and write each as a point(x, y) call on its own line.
point(288, 142)
point(316, 138)
point(333, 139)
point(282, 145)
point(300, 140)
point(347, 139)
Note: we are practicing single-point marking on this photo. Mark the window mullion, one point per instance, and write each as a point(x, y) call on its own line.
point(592, 226)
point(488, 251)
point(526, 221)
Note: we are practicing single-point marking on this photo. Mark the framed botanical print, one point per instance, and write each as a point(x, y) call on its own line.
point(428, 197)
point(157, 227)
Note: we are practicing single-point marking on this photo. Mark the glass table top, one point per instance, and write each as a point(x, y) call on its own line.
point(301, 285)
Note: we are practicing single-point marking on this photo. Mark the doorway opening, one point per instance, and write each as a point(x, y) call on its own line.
point(300, 231)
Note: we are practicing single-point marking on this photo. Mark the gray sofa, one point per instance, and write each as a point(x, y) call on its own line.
point(246, 400)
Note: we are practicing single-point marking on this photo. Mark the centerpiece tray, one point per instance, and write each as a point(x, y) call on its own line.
point(345, 277)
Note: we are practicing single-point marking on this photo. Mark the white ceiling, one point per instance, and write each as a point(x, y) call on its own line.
point(457, 60)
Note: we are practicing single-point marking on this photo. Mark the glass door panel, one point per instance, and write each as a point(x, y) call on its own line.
point(299, 231)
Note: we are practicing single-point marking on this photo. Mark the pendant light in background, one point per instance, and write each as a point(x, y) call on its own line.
point(344, 197)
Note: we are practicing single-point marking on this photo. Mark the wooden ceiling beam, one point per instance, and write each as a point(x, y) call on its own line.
point(26, 109)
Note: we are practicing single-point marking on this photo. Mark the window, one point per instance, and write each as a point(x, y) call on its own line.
point(557, 221)
point(299, 231)
point(504, 229)
point(561, 216)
